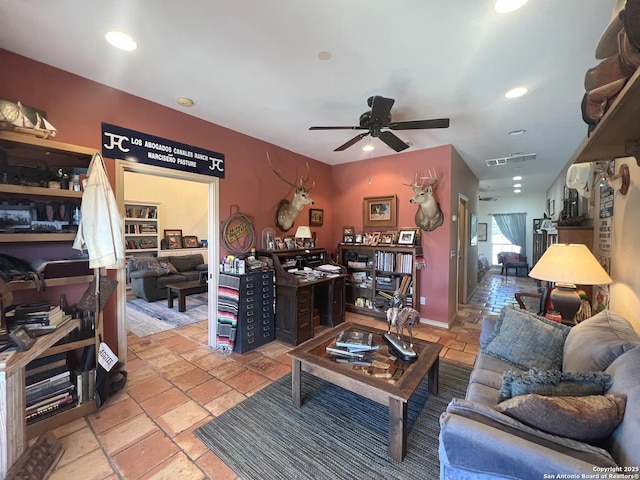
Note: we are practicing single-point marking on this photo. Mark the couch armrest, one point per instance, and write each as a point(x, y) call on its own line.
point(202, 267)
point(504, 446)
point(144, 274)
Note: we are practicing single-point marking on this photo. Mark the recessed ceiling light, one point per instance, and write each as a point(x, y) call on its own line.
point(517, 190)
point(517, 185)
point(516, 92)
point(516, 178)
point(517, 132)
point(324, 55)
point(121, 40)
point(506, 6)
point(185, 102)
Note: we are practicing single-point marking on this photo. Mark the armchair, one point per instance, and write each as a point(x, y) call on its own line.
point(513, 260)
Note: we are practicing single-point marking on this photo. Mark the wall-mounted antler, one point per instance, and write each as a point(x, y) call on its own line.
point(429, 215)
point(288, 211)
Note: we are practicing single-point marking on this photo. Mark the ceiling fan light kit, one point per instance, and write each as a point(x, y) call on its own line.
point(377, 123)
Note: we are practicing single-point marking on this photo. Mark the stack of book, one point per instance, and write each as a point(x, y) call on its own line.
point(353, 347)
point(49, 389)
point(38, 317)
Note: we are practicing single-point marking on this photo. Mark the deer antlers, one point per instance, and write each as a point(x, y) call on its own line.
point(303, 180)
point(420, 183)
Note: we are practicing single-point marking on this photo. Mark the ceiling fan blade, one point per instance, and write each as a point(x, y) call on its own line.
point(338, 128)
point(381, 109)
point(419, 124)
point(353, 141)
point(393, 141)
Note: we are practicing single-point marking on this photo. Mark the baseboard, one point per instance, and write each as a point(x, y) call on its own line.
point(434, 323)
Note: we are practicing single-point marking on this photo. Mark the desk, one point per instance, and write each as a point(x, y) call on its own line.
point(297, 297)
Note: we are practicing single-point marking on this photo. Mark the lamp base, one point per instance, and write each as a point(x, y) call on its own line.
point(566, 301)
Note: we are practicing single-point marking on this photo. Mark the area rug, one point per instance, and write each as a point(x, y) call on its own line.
point(146, 318)
point(335, 435)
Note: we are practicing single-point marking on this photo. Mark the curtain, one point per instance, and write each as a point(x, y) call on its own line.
point(514, 227)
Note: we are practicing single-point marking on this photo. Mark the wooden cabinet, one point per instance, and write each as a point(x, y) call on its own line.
point(298, 296)
point(255, 322)
point(374, 273)
point(141, 232)
point(31, 235)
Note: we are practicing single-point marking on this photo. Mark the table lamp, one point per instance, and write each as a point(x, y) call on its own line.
point(303, 232)
point(568, 264)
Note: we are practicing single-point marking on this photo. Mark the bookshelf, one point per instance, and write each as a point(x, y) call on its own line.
point(141, 229)
point(374, 273)
point(31, 163)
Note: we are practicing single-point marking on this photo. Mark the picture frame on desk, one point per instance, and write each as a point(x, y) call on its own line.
point(387, 238)
point(407, 237)
point(379, 211)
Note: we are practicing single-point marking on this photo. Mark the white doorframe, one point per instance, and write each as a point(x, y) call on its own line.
point(213, 232)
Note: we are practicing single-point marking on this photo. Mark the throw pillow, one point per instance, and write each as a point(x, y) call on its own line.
point(145, 263)
point(554, 383)
point(527, 340)
point(582, 418)
point(596, 342)
point(167, 266)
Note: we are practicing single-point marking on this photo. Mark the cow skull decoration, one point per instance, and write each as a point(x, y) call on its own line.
point(429, 215)
point(288, 211)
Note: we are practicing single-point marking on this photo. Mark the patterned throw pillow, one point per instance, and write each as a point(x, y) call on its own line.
point(589, 418)
point(167, 267)
point(527, 340)
point(554, 383)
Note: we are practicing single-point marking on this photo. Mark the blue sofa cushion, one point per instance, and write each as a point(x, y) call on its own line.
point(597, 341)
point(588, 418)
point(553, 383)
point(527, 340)
point(490, 417)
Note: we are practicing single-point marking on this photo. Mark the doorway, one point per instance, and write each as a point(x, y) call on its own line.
point(464, 240)
point(213, 234)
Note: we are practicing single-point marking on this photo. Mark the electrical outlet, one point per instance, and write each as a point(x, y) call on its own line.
point(423, 301)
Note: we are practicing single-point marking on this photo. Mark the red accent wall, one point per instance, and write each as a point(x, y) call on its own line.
point(76, 107)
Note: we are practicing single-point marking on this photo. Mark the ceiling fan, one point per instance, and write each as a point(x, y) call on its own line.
point(379, 118)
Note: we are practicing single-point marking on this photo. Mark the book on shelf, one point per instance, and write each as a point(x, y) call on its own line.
point(354, 338)
point(49, 362)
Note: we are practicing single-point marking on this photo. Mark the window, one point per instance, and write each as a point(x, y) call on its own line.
point(500, 243)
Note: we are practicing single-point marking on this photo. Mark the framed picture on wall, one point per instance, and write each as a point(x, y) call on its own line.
point(379, 211)
point(316, 217)
point(482, 232)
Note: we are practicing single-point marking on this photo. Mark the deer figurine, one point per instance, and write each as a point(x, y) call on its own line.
point(429, 215)
point(288, 211)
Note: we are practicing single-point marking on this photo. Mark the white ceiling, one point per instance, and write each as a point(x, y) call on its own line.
point(254, 67)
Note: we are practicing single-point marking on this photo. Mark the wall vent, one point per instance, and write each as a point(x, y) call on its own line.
point(517, 158)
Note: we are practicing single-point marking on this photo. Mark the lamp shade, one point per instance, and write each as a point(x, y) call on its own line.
point(570, 263)
point(303, 232)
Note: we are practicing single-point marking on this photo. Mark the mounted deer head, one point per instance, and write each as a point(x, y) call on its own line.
point(288, 211)
point(429, 215)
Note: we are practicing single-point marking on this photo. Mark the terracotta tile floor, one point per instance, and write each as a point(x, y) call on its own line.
point(176, 384)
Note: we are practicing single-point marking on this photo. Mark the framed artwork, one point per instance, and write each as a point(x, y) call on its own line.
point(15, 216)
point(379, 211)
point(290, 243)
point(348, 230)
point(482, 232)
point(375, 238)
point(173, 241)
point(473, 230)
point(348, 238)
point(190, 241)
point(358, 238)
point(316, 217)
point(387, 238)
point(407, 237)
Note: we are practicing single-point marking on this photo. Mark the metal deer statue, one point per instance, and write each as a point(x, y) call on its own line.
point(429, 215)
point(288, 211)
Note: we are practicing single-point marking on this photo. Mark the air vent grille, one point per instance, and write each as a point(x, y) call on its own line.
point(525, 157)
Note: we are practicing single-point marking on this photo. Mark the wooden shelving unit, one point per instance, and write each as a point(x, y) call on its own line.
point(375, 272)
point(141, 216)
point(15, 149)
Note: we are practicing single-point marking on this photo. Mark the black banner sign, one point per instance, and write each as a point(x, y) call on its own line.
point(124, 144)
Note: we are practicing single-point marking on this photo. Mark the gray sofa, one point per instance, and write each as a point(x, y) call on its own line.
point(477, 441)
point(149, 276)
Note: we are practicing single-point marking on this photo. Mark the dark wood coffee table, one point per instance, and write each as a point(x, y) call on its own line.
point(183, 289)
point(395, 392)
